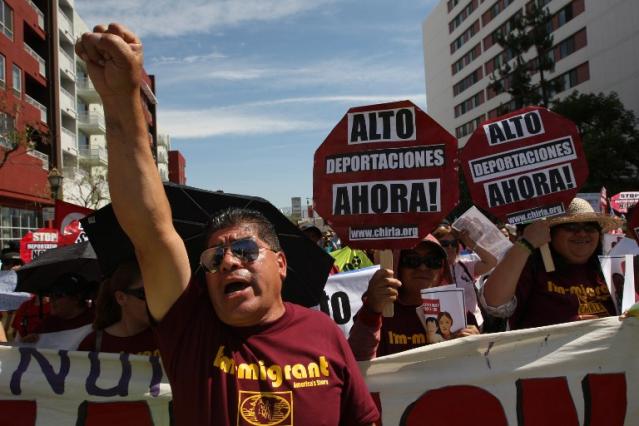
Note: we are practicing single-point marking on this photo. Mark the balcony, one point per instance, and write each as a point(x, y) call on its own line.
point(67, 65)
point(69, 142)
point(39, 13)
point(67, 102)
point(94, 156)
point(74, 174)
point(92, 122)
point(42, 65)
point(41, 156)
point(86, 90)
point(66, 26)
point(38, 105)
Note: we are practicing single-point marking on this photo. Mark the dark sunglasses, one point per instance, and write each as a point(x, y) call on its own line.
point(449, 243)
point(246, 249)
point(413, 261)
point(135, 292)
point(587, 227)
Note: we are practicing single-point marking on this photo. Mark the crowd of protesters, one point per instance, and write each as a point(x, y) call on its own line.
point(233, 302)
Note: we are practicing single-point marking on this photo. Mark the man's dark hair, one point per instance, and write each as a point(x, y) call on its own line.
point(234, 216)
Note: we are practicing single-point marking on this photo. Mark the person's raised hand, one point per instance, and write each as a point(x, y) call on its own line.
point(382, 290)
point(537, 233)
point(114, 58)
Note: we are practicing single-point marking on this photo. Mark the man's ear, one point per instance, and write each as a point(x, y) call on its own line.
point(119, 297)
point(281, 263)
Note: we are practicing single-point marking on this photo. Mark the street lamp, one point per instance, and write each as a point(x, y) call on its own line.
point(55, 182)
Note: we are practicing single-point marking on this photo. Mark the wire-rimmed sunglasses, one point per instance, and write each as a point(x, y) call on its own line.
point(245, 249)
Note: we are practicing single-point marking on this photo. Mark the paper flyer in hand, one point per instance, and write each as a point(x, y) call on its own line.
point(443, 312)
point(483, 232)
point(621, 279)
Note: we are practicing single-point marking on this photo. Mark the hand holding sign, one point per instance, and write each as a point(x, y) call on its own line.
point(525, 166)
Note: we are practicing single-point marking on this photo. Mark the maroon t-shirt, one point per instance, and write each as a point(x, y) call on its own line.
point(53, 323)
point(297, 370)
point(401, 332)
point(545, 298)
point(143, 343)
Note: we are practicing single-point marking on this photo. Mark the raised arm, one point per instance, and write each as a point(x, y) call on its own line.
point(114, 61)
point(487, 260)
point(502, 282)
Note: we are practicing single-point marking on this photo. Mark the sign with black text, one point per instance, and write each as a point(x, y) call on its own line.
point(524, 166)
point(385, 176)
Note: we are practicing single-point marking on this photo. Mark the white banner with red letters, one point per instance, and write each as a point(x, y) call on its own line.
point(570, 374)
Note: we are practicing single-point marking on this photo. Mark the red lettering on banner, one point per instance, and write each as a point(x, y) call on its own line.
point(18, 413)
point(605, 400)
point(442, 407)
point(545, 401)
point(114, 413)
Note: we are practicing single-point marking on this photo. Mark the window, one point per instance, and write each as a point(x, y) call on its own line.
point(6, 19)
point(3, 77)
point(564, 15)
point(14, 223)
point(17, 80)
point(7, 125)
point(466, 35)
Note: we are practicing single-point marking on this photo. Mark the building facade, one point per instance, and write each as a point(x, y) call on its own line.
point(595, 49)
point(47, 99)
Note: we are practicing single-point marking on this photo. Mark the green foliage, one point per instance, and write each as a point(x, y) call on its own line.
point(514, 75)
point(610, 139)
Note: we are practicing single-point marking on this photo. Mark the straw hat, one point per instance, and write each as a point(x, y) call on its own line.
point(580, 210)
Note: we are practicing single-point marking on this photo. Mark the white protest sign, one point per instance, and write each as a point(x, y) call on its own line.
point(343, 295)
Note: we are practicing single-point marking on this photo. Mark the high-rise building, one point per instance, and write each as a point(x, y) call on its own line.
point(595, 50)
point(47, 98)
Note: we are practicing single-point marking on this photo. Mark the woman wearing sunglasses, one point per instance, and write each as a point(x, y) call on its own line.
point(373, 335)
point(465, 270)
point(520, 289)
point(122, 322)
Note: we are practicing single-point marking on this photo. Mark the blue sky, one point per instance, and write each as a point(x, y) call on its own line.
point(248, 89)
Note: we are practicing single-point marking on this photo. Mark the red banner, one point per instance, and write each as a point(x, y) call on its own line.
point(524, 166)
point(385, 176)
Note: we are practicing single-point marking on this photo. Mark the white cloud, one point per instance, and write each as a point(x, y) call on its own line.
point(262, 117)
point(170, 18)
point(220, 121)
point(342, 72)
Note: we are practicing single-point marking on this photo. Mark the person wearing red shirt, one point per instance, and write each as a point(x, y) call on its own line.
point(122, 321)
point(372, 335)
point(234, 352)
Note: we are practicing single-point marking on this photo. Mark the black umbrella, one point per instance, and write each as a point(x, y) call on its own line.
point(40, 274)
point(308, 265)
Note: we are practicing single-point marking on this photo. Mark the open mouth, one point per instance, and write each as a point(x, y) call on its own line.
point(235, 287)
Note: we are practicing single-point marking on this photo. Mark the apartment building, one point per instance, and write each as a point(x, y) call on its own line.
point(596, 49)
point(45, 90)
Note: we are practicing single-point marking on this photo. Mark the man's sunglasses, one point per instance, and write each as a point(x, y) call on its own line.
point(247, 250)
point(135, 292)
point(575, 227)
point(413, 261)
point(449, 243)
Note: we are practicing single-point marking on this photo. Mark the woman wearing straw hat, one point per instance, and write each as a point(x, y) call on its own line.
point(520, 289)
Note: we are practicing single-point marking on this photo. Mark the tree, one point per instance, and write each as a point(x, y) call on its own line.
point(610, 139)
point(91, 190)
point(514, 75)
point(13, 133)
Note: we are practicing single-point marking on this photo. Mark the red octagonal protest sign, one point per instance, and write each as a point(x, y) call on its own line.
point(385, 176)
point(525, 165)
